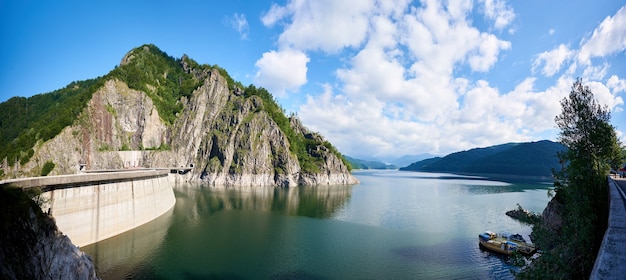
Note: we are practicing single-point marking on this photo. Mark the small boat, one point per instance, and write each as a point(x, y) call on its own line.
point(505, 244)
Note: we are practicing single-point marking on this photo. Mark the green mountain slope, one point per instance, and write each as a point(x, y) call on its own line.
point(169, 82)
point(519, 159)
point(24, 121)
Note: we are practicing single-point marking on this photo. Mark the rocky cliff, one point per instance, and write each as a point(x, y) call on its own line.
point(31, 246)
point(157, 112)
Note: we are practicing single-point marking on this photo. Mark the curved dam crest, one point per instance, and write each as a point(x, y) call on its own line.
point(91, 207)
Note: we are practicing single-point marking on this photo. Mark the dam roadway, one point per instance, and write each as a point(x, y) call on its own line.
point(92, 206)
point(611, 260)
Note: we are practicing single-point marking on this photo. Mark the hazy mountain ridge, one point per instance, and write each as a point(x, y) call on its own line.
point(535, 159)
point(369, 164)
point(386, 162)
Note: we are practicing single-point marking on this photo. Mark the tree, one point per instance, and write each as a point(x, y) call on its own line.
point(581, 188)
point(591, 140)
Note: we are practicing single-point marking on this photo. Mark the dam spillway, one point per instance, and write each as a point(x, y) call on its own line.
point(90, 207)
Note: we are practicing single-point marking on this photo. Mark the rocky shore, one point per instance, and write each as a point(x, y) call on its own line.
point(523, 215)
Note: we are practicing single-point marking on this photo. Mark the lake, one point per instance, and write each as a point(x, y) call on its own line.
point(393, 225)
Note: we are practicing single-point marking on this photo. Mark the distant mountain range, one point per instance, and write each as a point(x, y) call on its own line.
point(386, 163)
point(369, 164)
point(536, 159)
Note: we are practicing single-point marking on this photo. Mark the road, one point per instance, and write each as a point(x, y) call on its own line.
point(612, 254)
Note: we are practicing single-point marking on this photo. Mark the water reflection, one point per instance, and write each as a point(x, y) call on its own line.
point(394, 225)
point(119, 256)
point(312, 201)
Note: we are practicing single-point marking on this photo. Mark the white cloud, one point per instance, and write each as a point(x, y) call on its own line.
point(275, 14)
point(326, 25)
point(240, 23)
point(499, 12)
point(616, 84)
point(608, 38)
point(604, 95)
point(441, 40)
point(487, 52)
point(281, 71)
point(552, 60)
point(399, 89)
point(596, 72)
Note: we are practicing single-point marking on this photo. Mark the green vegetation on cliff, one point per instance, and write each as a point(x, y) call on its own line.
point(581, 189)
point(303, 146)
point(24, 121)
point(159, 75)
point(168, 81)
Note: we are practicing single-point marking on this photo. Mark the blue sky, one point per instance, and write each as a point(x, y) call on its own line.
point(376, 78)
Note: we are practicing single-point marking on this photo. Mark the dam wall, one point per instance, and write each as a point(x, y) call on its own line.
point(94, 206)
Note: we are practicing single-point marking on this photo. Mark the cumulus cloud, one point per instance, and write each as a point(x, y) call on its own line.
point(442, 39)
point(616, 84)
point(498, 11)
point(398, 90)
point(608, 38)
point(605, 96)
point(326, 25)
point(281, 71)
point(552, 60)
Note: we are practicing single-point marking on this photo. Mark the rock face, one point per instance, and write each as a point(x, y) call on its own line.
point(229, 138)
point(116, 119)
point(31, 247)
point(551, 216)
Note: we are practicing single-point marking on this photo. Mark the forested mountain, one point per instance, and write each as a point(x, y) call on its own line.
point(519, 159)
point(169, 112)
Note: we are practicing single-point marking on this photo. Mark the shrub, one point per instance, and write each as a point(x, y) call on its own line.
point(47, 168)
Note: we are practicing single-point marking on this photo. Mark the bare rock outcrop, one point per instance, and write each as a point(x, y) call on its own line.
point(551, 217)
point(117, 118)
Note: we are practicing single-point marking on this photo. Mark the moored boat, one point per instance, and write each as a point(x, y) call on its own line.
point(505, 244)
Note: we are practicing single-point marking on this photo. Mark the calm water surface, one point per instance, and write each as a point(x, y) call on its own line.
point(394, 225)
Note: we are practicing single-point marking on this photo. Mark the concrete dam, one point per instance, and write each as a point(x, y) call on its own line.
point(90, 207)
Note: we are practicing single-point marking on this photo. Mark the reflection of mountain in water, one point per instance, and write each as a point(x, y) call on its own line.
point(316, 202)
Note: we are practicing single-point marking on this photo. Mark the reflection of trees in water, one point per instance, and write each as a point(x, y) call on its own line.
point(493, 189)
point(309, 201)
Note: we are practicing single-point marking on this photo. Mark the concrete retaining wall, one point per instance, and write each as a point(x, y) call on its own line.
point(612, 254)
point(93, 207)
